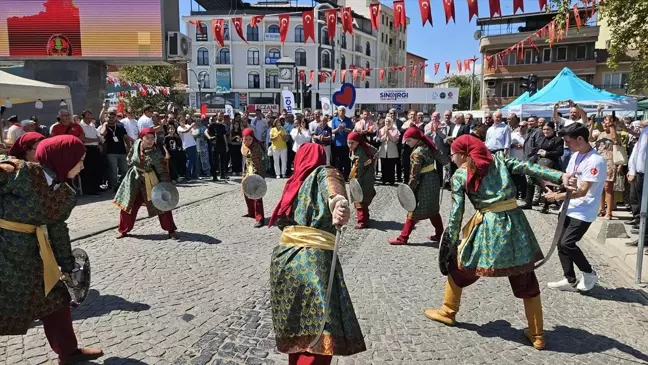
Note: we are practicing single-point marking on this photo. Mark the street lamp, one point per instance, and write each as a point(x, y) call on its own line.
point(200, 80)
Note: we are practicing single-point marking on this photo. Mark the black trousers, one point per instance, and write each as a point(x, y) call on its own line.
point(177, 164)
point(520, 184)
point(236, 157)
point(399, 167)
point(405, 162)
point(93, 171)
point(388, 167)
point(291, 158)
point(570, 254)
point(342, 161)
point(220, 160)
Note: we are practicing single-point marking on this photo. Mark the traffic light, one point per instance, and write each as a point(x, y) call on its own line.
point(529, 83)
point(307, 89)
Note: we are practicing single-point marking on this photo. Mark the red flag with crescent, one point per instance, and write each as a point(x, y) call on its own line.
point(381, 74)
point(489, 62)
point(347, 20)
point(284, 24)
point(198, 25)
point(473, 9)
point(567, 22)
point(364, 74)
point(309, 25)
point(436, 67)
point(238, 25)
point(374, 15)
point(447, 67)
point(333, 76)
point(322, 77)
point(467, 64)
point(355, 74)
point(577, 16)
point(426, 11)
point(533, 45)
point(518, 4)
point(302, 75)
point(399, 13)
point(256, 20)
point(414, 72)
point(495, 8)
point(218, 27)
point(311, 78)
point(343, 75)
point(459, 65)
point(543, 4)
point(449, 9)
point(331, 22)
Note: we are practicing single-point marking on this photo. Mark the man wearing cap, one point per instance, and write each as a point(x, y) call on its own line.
point(14, 131)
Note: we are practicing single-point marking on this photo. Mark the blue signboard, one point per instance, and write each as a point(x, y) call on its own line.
point(271, 60)
point(223, 81)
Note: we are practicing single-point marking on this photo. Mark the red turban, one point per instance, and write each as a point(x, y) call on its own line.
point(24, 143)
point(146, 131)
point(357, 137)
point(480, 155)
point(308, 157)
point(414, 132)
point(60, 154)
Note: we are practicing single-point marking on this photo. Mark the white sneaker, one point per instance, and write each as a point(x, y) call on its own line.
point(587, 281)
point(563, 285)
point(278, 177)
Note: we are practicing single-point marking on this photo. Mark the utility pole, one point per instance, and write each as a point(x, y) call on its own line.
point(472, 82)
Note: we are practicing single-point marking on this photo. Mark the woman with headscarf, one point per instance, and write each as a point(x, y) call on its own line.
point(498, 241)
point(362, 169)
point(25, 146)
point(146, 167)
point(35, 201)
point(253, 151)
point(425, 184)
point(313, 203)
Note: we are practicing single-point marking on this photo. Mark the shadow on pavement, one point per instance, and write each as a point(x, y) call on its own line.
point(384, 226)
point(89, 199)
point(560, 339)
point(624, 295)
point(198, 237)
point(121, 361)
point(97, 305)
point(423, 244)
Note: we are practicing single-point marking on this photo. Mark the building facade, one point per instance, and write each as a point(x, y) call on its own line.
point(244, 73)
point(415, 78)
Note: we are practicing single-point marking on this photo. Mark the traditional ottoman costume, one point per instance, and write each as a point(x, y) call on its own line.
point(362, 169)
point(253, 154)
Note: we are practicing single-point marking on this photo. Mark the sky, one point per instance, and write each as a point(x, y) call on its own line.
point(441, 42)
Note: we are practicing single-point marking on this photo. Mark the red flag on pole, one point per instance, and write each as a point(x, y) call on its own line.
point(203, 109)
point(355, 74)
point(449, 9)
point(447, 67)
point(436, 67)
point(518, 4)
point(284, 24)
point(414, 72)
point(333, 76)
point(381, 74)
point(467, 64)
point(374, 15)
point(543, 4)
point(473, 9)
point(238, 25)
point(322, 77)
point(331, 22)
point(459, 65)
point(256, 20)
point(426, 11)
point(217, 26)
point(533, 44)
point(364, 73)
point(399, 13)
point(577, 16)
point(309, 25)
point(198, 25)
point(343, 75)
point(495, 8)
point(347, 20)
point(302, 75)
point(489, 62)
point(311, 78)
point(567, 22)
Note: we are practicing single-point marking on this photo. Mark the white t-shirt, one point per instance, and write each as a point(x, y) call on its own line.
point(260, 126)
point(132, 129)
point(90, 131)
point(143, 123)
point(186, 136)
point(592, 168)
point(14, 132)
point(299, 138)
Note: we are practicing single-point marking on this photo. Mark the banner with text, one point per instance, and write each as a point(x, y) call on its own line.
point(408, 96)
point(288, 101)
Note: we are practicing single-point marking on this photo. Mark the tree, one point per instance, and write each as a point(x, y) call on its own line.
point(629, 34)
point(463, 83)
point(157, 75)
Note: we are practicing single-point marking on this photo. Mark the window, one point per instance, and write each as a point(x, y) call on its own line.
point(274, 53)
point(391, 24)
point(253, 56)
point(252, 33)
point(368, 49)
point(226, 32)
point(368, 67)
point(546, 55)
point(254, 80)
point(528, 56)
point(326, 59)
point(343, 41)
point(223, 57)
point(203, 79)
point(272, 80)
point(581, 52)
point(300, 57)
point(324, 36)
point(201, 32)
point(299, 33)
point(561, 54)
point(512, 59)
point(382, 19)
point(545, 82)
point(203, 57)
point(273, 28)
point(508, 89)
point(390, 42)
point(614, 80)
point(342, 62)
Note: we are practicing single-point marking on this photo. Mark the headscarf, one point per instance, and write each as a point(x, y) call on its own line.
point(357, 137)
point(24, 143)
point(60, 154)
point(308, 157)
point(249, 132)
point(415, 132)
point(480, 155)
point(146, 131)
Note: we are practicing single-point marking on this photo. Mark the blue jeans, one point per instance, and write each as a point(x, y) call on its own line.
point(191, 171)
point(564, 160)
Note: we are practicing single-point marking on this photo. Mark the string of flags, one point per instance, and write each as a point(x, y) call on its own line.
point(141, 89)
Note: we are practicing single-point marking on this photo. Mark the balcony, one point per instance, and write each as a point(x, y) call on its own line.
point(499, 42)
point(540, 69)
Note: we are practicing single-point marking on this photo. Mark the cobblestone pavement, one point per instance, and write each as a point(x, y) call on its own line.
point(204, 300)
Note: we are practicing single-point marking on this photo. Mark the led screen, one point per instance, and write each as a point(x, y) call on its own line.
point(86, 29)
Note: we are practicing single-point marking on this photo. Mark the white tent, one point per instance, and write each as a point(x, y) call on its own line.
point(21, 90)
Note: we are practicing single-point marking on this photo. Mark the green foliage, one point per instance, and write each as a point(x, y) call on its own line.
point(463, 83)
point(158, 75)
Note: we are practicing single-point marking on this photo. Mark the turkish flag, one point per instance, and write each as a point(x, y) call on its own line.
point(566, 22)
point(426, 11)
point(331, 22)
point(518, 4)
point(238, 25)
point(436, 67)
point(533, 45)
point(120, 107)
point(447, 67)
point(467, 64)
point(284, 24)
point(309, 25)
point(449, 9)
point(198, 26)
point(256, 20)
point(520, 51)
point(364, 74)
point(311, 78)
point(218, 27)
point(459, 65)
point(343, 75)
point(302, 75)
point(381, 74)
point(203, 109)
point(322, 77)
point(577, 16)
point(489, 62)
point(414, 72)
point(495, 8)
point(374, 15)
point(347, 20)
point(399, 13)
point(355, 74)
point(473, 9)
point(543, 4)
point(552, 33)
point(333, 76)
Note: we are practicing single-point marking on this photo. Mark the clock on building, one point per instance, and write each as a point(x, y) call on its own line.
point(286, 74)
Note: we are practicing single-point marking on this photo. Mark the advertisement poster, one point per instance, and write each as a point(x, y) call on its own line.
point(223, 83)
point(408, 96)
point(288, 101)
point(81, 29)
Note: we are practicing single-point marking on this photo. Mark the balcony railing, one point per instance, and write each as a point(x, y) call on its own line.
point(521, 27)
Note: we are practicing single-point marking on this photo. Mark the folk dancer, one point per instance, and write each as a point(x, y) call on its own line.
point(35, 201)
point(362, 169)
point(310, 208)
point(253, 151)
point(498, 240)
point(147, 167)
point(25, 146)
point(425, 184)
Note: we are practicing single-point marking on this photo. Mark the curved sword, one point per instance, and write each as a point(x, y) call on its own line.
point(559, 230)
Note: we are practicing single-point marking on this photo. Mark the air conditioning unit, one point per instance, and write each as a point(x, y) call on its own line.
point(178, 47)
point(491, 84)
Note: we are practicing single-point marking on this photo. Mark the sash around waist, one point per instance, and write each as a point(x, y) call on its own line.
point(478, 217)
point(308, 237)
point(429, 168)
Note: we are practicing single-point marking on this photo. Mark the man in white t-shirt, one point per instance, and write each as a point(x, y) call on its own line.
point(130, 123)
point(576, 115)
point(146, 120)
point(259, 126)
point(588, 169)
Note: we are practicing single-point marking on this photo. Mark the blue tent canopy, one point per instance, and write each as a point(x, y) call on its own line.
point(521, 99)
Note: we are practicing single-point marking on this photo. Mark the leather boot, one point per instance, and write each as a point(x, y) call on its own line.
point(405, 233)
point(451, 300)
point(437, 223)
point(83, 354)
point(533, 311)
